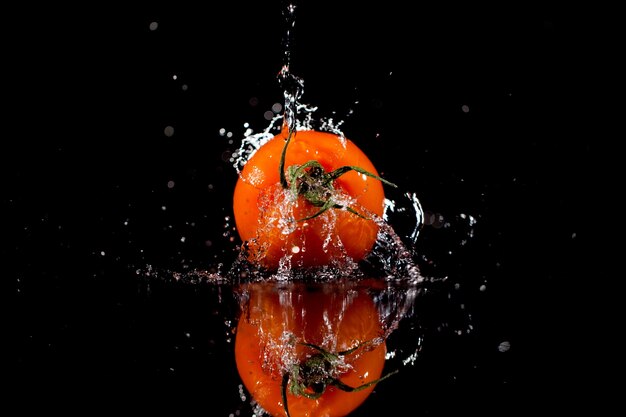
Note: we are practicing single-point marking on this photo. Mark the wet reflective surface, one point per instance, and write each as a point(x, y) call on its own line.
point(117, 228)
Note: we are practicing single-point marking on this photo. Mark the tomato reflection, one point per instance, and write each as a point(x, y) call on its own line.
point(309, 350)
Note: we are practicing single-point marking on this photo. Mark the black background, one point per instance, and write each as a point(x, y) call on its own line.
point(86, 164)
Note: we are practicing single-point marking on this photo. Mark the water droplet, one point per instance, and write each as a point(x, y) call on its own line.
point(277, 108)
point(504, 346)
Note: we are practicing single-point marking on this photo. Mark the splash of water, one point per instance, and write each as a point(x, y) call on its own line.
point(293, 86)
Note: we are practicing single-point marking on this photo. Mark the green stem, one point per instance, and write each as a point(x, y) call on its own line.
point(308, 379)
point(312, 182)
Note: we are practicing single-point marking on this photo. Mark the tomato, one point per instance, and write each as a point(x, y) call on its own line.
point(285, 331)
point(305, 219)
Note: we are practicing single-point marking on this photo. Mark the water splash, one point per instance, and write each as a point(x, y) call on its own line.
point(293, 86)
point(303, 119)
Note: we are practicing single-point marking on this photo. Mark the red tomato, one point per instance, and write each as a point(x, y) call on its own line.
point(283, 332)
point(276, 222)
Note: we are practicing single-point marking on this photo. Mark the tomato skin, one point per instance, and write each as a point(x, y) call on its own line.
point(264, 213)
point(269, 332)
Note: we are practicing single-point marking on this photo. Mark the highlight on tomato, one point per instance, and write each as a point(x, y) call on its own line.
point(309, 351)
point(309, 197)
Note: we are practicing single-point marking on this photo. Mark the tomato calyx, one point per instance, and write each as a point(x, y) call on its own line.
point(310, 378)
point(311, 181)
